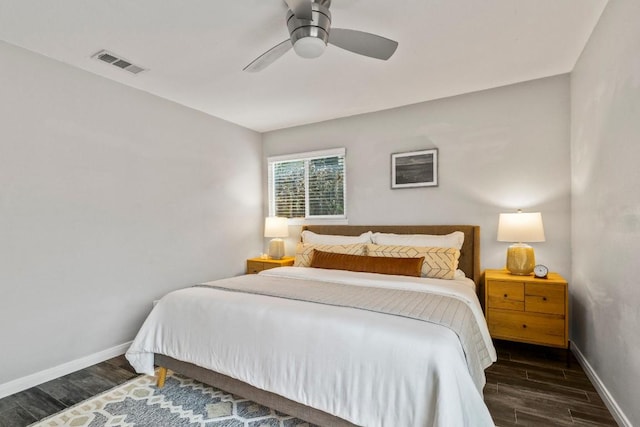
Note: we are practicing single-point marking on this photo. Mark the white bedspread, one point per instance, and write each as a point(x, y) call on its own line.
point(369, 368)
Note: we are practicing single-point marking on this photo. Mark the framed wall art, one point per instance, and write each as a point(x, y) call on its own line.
point(414, 169)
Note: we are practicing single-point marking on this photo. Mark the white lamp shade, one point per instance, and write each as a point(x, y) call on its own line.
point(520, 227)
point(275, 226)
point(309, 47)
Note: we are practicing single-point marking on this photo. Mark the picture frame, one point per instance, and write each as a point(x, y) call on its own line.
point(414, 169)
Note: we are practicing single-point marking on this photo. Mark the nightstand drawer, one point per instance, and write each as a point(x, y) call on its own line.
point(544, 298)
point(254, 267)
point(528, 327)
point(506, 295)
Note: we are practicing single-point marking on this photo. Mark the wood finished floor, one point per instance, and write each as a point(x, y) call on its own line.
point(34, 404)
point(533, 386)
point(528, 386)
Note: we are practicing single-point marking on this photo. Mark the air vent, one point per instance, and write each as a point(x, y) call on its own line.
point(118, 61)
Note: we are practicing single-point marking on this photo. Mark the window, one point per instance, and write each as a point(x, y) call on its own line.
point(308, 185)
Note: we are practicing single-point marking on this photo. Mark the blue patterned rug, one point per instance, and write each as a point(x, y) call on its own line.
point(181, 402)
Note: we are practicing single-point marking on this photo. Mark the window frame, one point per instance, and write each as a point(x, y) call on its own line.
point(306, 157)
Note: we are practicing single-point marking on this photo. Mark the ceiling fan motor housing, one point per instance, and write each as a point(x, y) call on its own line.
point(318, 27)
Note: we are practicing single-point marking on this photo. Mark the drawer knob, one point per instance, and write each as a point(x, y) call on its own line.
point(524, 326)
point(544, 298)
point(505, 295)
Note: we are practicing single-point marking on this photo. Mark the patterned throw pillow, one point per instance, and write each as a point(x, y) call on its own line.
point(304, 251)
point(439, 263)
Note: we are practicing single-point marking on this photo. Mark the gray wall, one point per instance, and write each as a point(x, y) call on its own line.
point(109, 198)
point(499, 150)
point(605, 102)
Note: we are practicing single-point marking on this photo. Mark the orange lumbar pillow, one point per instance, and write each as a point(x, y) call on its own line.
point(367, 264)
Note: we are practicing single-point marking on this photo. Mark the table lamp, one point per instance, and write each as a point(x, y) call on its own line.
point(520, 228)
point(276, 227)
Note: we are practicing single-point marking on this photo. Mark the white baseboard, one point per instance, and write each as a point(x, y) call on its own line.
point(608, 400)
point(33, 380)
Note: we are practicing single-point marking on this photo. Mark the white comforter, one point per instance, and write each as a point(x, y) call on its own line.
point(369, 368)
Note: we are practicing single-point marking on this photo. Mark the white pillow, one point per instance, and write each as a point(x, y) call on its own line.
point(329, 239)
point(452, 240)
point(459, 274)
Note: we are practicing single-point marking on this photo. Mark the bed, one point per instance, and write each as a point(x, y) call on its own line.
point(329, 363)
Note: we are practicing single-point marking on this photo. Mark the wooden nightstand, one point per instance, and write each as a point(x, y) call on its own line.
point(527, 309)
point(256, 265)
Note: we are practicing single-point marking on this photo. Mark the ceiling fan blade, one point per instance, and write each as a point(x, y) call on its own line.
point(267, 58)
point(362, 43)
point(300, 8)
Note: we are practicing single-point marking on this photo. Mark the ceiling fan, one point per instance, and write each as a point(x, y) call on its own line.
point(309, 24)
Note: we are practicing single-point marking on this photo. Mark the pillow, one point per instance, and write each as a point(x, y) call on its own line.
point(439, 263)
point(304, 251)
point(452, 240)
point(367, 264)
point(328, 239)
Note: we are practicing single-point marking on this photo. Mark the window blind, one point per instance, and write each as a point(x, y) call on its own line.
point(308, 185)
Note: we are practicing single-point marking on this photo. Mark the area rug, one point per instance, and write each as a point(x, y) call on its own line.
point(181, 402)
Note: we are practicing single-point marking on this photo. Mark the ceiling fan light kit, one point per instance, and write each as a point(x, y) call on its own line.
point(309, 37)
point(309, 47)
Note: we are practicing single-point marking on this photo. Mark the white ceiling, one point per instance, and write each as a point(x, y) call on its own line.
point(195, 50)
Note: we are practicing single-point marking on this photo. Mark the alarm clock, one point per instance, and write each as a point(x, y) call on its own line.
point(540, 271)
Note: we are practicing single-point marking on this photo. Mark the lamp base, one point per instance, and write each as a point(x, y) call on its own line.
point(276, 248)
point(520, 259)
